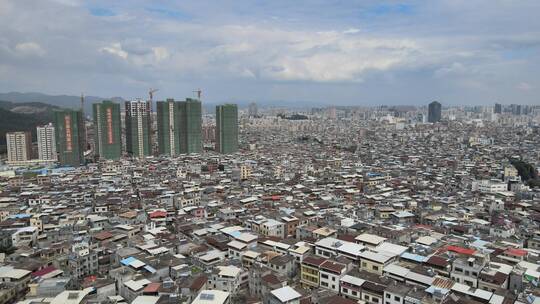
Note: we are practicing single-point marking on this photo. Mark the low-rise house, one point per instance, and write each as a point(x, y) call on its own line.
point(369, 240)
point(330, 274)
point(284, 295)
point(228, 278)
point(375, 262)
point(309, 271)
point(16, 280)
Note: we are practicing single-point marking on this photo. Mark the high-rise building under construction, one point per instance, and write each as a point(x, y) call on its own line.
point(227, 128)
point(190, 126)
point(70, 137)
point(107, 130)
point(168, 127)
point(138, 128)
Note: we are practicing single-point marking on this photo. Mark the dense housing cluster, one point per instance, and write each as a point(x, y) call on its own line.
point(335, 205)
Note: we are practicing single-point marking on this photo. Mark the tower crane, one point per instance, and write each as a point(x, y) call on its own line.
point(151, 95)
point(199, 93)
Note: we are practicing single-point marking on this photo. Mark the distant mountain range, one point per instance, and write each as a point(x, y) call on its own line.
point(26, 111)
point(23, 116)
point(74, 102)
point(63, 101)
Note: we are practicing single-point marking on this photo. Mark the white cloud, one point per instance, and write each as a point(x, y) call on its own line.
point(160, 53)
point(524, 86)
point(68, 2)
point(351, 31)
point(29, 48)
point(284, 55)
point(296, 50)
point(455, 68)
point(115, 49)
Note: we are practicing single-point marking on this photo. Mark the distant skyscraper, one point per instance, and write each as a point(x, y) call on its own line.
point(332, 114)
point(168, 127)
point(138, 128)
point(497, 109)
point(46, 142)
point(516, 109)
point(253, 110)
point(19, 146)
point(209, 133)
point(190, 126)
point(227, 128)
point(107, 130)
point(434, 112)
point(69, 136)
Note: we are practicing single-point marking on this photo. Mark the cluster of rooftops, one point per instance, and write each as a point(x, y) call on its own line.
point(320, 211)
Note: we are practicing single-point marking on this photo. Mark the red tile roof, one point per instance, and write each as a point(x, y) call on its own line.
point(313, 261)
point(271, 279)
point(516, 252)
point(158, 213)
point(461, 250)
point(43, 271)
point(332, 266)
point(103, 235)
point(437, 261)
point(198, 283)
point(151, 288)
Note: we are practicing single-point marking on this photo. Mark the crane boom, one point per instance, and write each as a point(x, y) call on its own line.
point(199, 93)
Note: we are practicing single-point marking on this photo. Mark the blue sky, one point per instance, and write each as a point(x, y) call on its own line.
point(327, 52)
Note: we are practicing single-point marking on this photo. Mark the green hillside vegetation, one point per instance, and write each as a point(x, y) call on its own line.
point(527, 172)
point(23, 117)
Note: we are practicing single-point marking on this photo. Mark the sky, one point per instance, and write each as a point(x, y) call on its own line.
point(334, 52)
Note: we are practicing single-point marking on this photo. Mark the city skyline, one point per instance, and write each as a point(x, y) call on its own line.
point(269, 152)
point(408, 52)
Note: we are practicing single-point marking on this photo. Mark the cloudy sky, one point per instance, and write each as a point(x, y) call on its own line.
point(356, 52)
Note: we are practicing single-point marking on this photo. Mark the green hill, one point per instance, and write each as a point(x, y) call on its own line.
point(23, 117)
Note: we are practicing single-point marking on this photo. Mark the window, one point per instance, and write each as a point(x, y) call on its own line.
point(376, 268)
point(354, 293)
point(324, 276)
point(364, 264)
point(345, 290)
point(397, 298)
point(388, 296)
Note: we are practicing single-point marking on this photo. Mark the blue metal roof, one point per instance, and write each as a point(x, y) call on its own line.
point(128, 260)
point(20, 216)
point(150, 269)
point(414, 257)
